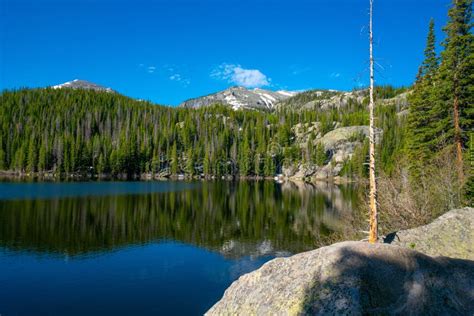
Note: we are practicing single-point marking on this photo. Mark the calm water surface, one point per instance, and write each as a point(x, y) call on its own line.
point(134, 248)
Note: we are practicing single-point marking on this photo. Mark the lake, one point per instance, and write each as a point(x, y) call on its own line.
point(138, 248)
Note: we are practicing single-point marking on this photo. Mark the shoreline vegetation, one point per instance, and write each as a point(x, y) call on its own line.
point(52, 176)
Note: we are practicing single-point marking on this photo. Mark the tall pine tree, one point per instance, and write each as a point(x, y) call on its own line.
point(453, 111)
point(421, 100)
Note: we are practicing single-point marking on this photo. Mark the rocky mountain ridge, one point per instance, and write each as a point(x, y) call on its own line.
point(259, 99)
point(241, 98)
point(82, 84)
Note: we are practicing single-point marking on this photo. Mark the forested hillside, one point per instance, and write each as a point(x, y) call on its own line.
point(73, 131)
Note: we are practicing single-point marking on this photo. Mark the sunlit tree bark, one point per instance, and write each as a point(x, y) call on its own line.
point(373, 216)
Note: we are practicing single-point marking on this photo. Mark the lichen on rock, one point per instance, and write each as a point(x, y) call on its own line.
point(450, 235)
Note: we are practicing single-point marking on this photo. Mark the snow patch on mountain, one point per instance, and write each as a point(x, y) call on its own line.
point(82, 84)
point(236, 104)
point(242, 98)
point(287, 93)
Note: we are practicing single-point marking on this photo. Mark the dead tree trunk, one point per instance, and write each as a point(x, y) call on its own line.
point(373, 217)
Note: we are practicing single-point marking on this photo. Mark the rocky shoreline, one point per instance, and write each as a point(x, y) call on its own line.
point(359, 278)
point(54, 176)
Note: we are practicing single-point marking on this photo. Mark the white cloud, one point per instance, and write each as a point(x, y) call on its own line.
point(175, 77)
point(249, 78)
point(151, 69)
point(175, 73)
point(179, 78)
point(335, 75)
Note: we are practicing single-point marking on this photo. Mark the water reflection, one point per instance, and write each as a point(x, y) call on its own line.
point(136, 248)
point(50, 190)
point(235, 219)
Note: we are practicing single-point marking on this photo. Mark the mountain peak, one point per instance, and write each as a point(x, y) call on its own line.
point(82, 84)
point(239, 97)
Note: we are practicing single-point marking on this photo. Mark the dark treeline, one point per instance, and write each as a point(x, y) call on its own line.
point(68, 131)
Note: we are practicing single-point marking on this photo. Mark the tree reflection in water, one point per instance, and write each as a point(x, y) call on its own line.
point(233, 218)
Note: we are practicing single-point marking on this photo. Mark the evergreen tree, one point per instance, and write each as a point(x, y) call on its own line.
point(320, 156)
point(100, 167)
point(453, 112)
point(421, 100)
point(115, 164)
point(269, 168)
point(42, 158)
point(245, 158)
point(207, 163)
point(258, 164)
point(2, 159)
point(430, 63)
point(190, 162)
point(20, 159)
point(32, 156)
point(174, 160)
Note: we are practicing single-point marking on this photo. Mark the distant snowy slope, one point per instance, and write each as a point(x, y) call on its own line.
point(240, 98)
point(82, 84)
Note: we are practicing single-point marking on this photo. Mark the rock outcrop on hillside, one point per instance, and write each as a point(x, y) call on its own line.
point(450, 235)
point(323, 99)
point(339, 144)
point(356, 278)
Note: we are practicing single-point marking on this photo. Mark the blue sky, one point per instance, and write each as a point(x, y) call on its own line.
point(167, 51)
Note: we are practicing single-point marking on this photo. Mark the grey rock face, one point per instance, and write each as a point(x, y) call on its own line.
point(82, 84)
point(339, 144)
point(342, 135)
point(354, 278)
point(450, 235)
point(241, 98)
point(400, 101)
point(324, 99)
